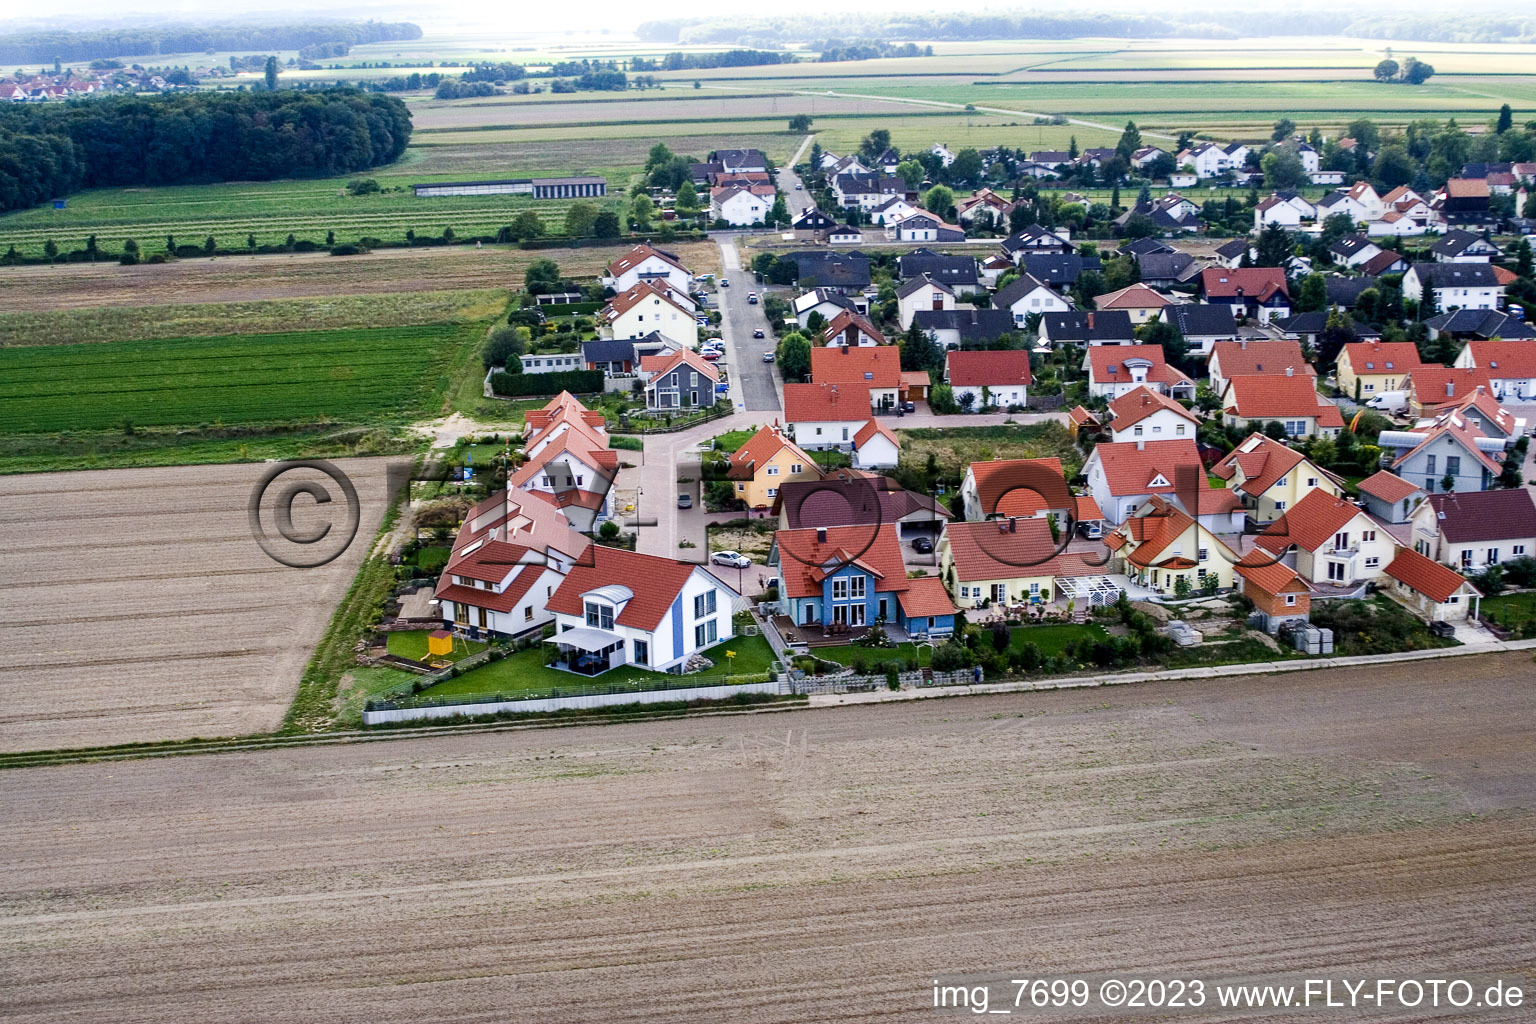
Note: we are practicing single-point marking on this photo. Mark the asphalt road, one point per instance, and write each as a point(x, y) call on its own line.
point(752, 386)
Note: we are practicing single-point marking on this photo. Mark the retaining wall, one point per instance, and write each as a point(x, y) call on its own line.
point(592, 700)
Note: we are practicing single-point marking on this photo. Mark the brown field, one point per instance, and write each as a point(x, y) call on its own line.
point(141, 609)
point(822, 865)
point(480, 156)
point(714, 104)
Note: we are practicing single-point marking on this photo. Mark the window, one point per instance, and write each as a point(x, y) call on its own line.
point(1311, 481)
point(773, 492)
point(965, 591)
point(773, 470)
point(704, 604)
point(1466, 559)
point(1179, 430)
point(1518, 550)
point(856, 586)
point(1493, 556)
point(1279, 506)
point(1281, 481)
point(528, 614)
point(1429, 463)
point(840, 589)
point(1137, 431)
point(1290, 600)
point(1455, 599)
point(1366, 536)
point(1453, 465)
point(705, 633)
point(741, 487)
point(1341, 540)
point(1372, 562)
point(1204, 554)
point(1336, 572)
point(599, 616)
point(796, 468)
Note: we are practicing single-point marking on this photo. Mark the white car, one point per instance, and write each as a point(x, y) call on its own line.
point(734, 559)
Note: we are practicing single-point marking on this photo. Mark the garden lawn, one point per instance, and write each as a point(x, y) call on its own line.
point(731, 440)
point(874, 656)
point(1053, 639)
point(412, 643)
point(1510, 607)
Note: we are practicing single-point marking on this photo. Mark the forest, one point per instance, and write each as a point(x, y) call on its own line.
point(46, 47)
point(49, 150)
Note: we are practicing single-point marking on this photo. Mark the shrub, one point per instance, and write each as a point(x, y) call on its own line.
point(950, 656)
point(515, 385)
point(348, 249)
point(608, 530)
point(362, 186)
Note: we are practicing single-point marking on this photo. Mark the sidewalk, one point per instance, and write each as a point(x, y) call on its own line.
point(1213, 672)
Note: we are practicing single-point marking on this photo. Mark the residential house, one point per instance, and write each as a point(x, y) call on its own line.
point(1008, 562)
point(1114, 370)
point(1389, 497)
point(1202, 325)
point(818, 417)
point(1430, 590)
point(1142, 303)
point(1143, 413)
point(994, 267)
point(1025, 295)
point(893, 210)
point(1340, 201)
point(1330, 541)
point(1395, 224)
point(923, 227)
point(568, 461)
point(1230, 254)
point(1254, 292)
point(976, 209)
point(1432, 388)
point(1479, 325)
point(1454, 285)
point(1167, 269)
point(646, 263)
point(618, 607)
point(1123, 476)
point(867, 191)
point(1353, 250)
point(1036, 239)
point(1059, 159)
point(1104, 327)
point(1142, 246)
point(888, 161)
point(848, 576)
point(958, 273)
point(1473, 531)
point(946, 157)
point(1252, 357)
point(508, 557)
point(612, 357)
point(1483, 415)
point(875, 447)
point(876, 369)
point(828, 304)
point(1146, 156)
point(741, 206)
point(1388, 261)
point(958, 328)
point(843, 273)
point(1290, 399)
point(764, 463)
point(1170, 214)
point(847, 329)
point(1509, 365)
point(982, 379)
point(553, 362)
point(849, 498)
point(645, 309)
point(811, 224)
point(1209, 160)
point(1058, 271)
point(1015, 488)
point(921, 293)
point(739, 161)
point(1463, 202)
point(1161, 547)
point(1344, 292)
point(1368, 368)
point(1458, 246)
point(1449, 451)
point(1270, 478)
point(1280, 596)
point(682, 380)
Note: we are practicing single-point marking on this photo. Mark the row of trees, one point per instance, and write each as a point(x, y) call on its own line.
point(49, 150)
point(42, 47)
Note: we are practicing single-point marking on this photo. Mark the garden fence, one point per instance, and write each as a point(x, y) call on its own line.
point(870, 683)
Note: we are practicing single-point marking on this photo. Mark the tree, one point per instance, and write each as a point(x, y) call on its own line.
point(659, 156)
point(920, 351)
point(1139, 225)
point(504, 344)
point(579, 217)
point(1130, 141)
point(967, 167)
point(271, 74)
point(1386, 70)
point(1506, 120)
point(1072, 150)
point(940, 201)
point(686, 202)
point(1312, 296)
point(51, 249)
point(210, 245)
point(640, 210)
point(875, 143)
point(1415, 71)
point(780, 213)
point(1521, 251)
point(606, 225)
point(528, 224)
point(542, 277)
point(1282, 169)
point(794, 356)
point(1284, 129)
point(911, 172)
point(1275, 247)
point(1393, 167)
point(800, 123)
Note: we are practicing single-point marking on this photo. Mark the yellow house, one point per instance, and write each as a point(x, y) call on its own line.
point(767, 460)
point(1271, 478)
point(1160, 545)
point(1006, 561)
point(1369, 368)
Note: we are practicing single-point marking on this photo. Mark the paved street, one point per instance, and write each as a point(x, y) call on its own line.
point(753, 382)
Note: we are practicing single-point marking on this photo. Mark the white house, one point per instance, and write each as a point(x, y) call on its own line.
point(822, 416)
point(645, 263)
point(875, 447)
point(827, 303)
point(618, 607)
point(647, 308)
point(919, 293)
point(982, 378)
point(739, 206)
point(1145, 414)
point(1027, 294)
point(1454, 285)
point(1288, 209)
point(922, 227)
point(1330, 540)
point(1122, 476)
point(1115, 370)
point(893, 210)
point(1471, 531)
point(942, 151)
point(1511, 367)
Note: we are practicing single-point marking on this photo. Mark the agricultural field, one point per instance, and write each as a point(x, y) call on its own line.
point(359, 376)
point(1243, 830)
point(171, 622)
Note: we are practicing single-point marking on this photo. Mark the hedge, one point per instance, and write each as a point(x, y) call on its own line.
point(516, 385)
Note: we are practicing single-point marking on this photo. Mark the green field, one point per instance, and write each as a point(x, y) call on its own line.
point(359, 376)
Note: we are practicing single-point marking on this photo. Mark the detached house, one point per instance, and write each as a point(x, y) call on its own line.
point(1201, 325)
point(1114, 370)
point(1330, 541)
point(1509, 365)
point(1458, 246)
point(1140, 302)
point(644, 263)
point(1471, 532)
point(921, 293)
point(1271, 478)
point(1160, 545)
point(568, 461)
point(822, 416)
point(1123, 476)
point(981, 379)
point(1450, 450)
point(1290, 399)
point(922, 227)
point(1105, 327)
point(1144, 414)
point(741, 206)
point(766, 461)
point(957, 328)
point(1014, 488)
point(1008, 562)
point(1025, 295)
point(1454, 285)
point(1257, 293)
point(618, 607)
point(1430, 590)
point(1433, 388)
point(983, 204)
point(1279, 594)
point(851, 329)
point(682, 380)
point(1244, 358)
point(645, 309)
point(1036, 239)
point(1369, 368)
point(877, 370)
point(957, 273)
point(851, 577)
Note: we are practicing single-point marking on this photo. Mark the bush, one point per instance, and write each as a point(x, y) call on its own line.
point(608, 530)
point(950, 656)
point(1520, 572)
point(516, 385)
point(503, 345)
point(362, 186)
point(348, 249)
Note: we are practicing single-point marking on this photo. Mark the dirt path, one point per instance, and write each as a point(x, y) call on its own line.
point(814, 866)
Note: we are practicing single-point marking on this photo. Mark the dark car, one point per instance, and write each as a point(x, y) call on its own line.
point(685, 501)
point(1444, 629)
point(922, 546)
point(758, 333)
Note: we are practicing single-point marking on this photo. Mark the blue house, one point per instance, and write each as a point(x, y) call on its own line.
point(855, 576)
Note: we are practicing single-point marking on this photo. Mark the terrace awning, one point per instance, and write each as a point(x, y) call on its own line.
point(585, 638)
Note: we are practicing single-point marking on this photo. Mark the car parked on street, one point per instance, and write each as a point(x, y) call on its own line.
point(751, 298)
point(734, 559)
point(685, 500)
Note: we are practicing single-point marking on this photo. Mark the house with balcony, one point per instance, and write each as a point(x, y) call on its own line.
point(1331, 542)
point(1447, 286)
point(1010, 562)
point(1160, 545)
point(1449, 452)
point(1474, 530)
point(845, 579)
point(568, 462)
point(616, 607)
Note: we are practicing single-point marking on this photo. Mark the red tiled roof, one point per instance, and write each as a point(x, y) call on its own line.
point(993, 551)
point(873, 367)
point(642, 292)
point(639, 254)
point(1003, 479)
point(826, 403)
point(1102, 357)
point(1430, 578)
point(925, 596)
point(1504, 359)
point(1387, 486)
point(1466, 188)
point(981, 368)
point(1263, 461)
point(805, 562)
point(1130, 466)
point(1236, 357)
point(490, 600)
point(1382, 356)
point(1136, 296)
point(1481, 406)
point(1270, 577)
point(760, 448)
point(655, 581)
point(1312, 522)
point(563, 405)
point(1276, 397)
point(1505, 276)
point(1082, 416)
point(870, 429)
point(1430, 381)
point(1134, 406)
point(1257, 283)
point(844, 320)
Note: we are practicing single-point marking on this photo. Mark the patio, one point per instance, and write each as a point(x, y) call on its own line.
point(814, 634)
point(587, 651)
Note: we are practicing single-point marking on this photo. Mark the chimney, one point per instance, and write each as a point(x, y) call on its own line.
point(1013, 525)
point(1290, 371)
point(834, 392)
point(1450, 388)
point(1141, 446)
point(821, 535)
point(1243, 344)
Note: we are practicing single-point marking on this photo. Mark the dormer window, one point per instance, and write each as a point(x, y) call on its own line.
point(599, 616)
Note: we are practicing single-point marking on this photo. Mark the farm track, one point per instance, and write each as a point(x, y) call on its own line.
point(816, 866)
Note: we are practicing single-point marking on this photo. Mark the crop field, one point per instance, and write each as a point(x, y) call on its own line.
point(377, 375)
point(1265, 826)
point(170, 622)
point(670, 105)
